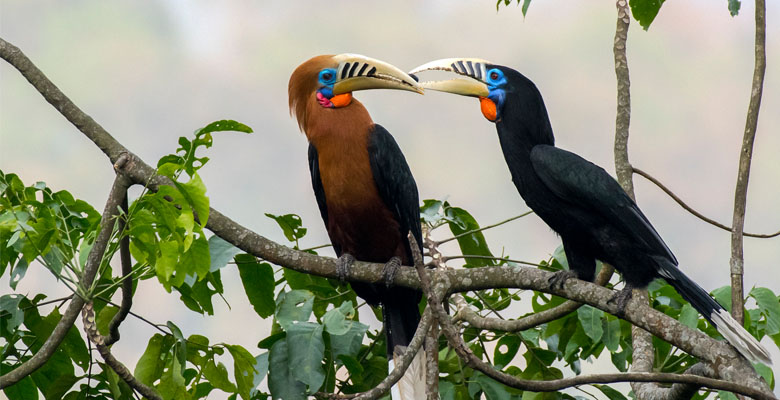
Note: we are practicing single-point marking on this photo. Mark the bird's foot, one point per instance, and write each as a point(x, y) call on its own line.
point(343, 264)
point(621, 299)
point(559, 278)
point(390, 269)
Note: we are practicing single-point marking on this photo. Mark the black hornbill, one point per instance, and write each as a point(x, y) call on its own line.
point(580, 201)
point(365, 190)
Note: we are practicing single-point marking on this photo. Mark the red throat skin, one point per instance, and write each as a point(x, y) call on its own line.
point(488, 108)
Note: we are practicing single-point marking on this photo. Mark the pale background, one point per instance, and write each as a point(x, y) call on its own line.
point(150, 71)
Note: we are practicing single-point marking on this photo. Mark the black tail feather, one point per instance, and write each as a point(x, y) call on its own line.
point(727, 326)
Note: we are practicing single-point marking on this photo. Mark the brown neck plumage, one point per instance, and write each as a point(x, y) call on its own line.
point(335, 124)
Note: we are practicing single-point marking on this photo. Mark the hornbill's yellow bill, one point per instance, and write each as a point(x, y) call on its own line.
point(473, 68)
point(357, 72)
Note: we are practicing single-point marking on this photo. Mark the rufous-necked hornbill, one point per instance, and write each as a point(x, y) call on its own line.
point(580, 201)
point(365, 190)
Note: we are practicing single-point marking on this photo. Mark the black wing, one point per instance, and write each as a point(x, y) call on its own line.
point(587, 185)
point(319, 191)
point(395, 182)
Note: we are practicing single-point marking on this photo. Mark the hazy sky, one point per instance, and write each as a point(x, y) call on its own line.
point(150, 71)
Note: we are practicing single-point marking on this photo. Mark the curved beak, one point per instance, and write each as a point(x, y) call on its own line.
point(472, 68)
point(356, 72)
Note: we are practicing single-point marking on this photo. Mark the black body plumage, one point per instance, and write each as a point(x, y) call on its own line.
point(594, 217)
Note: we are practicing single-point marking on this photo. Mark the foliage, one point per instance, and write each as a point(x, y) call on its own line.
point(318, 342)
point(643, 11)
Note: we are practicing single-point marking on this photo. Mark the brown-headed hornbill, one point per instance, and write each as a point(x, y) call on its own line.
point(580, 201)
point(365, 190)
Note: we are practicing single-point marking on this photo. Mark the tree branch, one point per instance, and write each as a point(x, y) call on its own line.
point(746, 154)
point(483, 228)
point(442, 285)
point(725, 361)
point(90, 327)
point(529, 321)
point(694, 212)
point(127, 283)
point(93, 262)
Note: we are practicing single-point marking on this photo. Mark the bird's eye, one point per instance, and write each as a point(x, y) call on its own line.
point(327, 76)
point(495, 76)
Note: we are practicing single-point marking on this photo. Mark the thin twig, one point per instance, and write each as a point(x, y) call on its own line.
point(737, 261)
point(127, 284)
point(483, 228)
point(90, 326)
point(697, 214)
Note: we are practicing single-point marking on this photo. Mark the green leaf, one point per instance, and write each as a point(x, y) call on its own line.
point(506, 349)
point(104, 318)
point(150, 367)
point(194, 192)
point(295, 305)
point(612, 394)
point(734, 6)
point(18, 272)
point(195, 261)
point(766, 373)
point(221, 252)
point(306, 349)
point(723, 395)
point(526, 3)
point(492, 389)
point(689, 316)
point(172, 382)
point(243, 369)
point(258, 281)
point(349, 343)
point(217, 375)
point(261, 368)
point(460, 222)
point(180, 346)
point(281, 383)
point(291, 225)
point(10, 303)
point(337, 321)
point(166, 263)
point(225, 125)
point(723, 296)
point(23, 390)
point(644, 11)
point(770, 308)
point(590, 318)
point(611, 336)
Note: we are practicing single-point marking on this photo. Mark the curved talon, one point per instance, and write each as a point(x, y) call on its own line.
point(559, 278)
point(390, 269)
point(621, 299)
point(343, 264)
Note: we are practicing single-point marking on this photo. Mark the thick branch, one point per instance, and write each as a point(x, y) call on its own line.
point(93, 262)
point(678, 391)
point(435, 291)
point(696, 213)
point(746, 154)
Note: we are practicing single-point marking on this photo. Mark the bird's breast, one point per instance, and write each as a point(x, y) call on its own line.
point(358, 219)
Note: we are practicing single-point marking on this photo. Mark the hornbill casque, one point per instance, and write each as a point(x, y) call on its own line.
point(365, 190)
point(580, 201)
